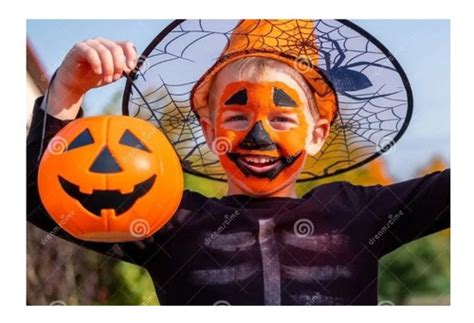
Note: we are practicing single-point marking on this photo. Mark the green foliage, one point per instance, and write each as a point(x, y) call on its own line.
point(205, 186)
point(132, 285)
point(419, 269)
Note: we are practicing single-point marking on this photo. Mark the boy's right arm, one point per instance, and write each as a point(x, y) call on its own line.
point(89, 64)
point(65, 98)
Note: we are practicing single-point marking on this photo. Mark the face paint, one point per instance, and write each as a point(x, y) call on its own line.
point(259, 139)
point(267, 128)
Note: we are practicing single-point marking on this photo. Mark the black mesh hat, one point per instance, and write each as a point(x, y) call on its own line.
point(356, 81)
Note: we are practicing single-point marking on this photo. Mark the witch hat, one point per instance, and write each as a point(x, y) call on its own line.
point(356, 82)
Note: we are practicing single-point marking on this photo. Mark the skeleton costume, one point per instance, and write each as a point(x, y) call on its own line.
point(320, 249)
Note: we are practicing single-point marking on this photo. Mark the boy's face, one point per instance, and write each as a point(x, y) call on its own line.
point(266, 126)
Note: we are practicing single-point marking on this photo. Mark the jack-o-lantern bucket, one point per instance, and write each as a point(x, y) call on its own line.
point(110, 178)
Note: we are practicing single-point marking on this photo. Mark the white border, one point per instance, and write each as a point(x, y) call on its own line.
point(13, 153)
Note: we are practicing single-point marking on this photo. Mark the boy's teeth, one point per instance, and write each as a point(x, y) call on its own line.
point(259, 159)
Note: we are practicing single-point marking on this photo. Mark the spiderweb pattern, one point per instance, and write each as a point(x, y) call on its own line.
point(373, 94)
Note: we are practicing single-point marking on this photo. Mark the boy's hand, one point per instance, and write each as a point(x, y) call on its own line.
point(89, 64)
point(94, 63)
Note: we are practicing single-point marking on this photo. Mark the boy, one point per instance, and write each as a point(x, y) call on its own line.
point(259, 244)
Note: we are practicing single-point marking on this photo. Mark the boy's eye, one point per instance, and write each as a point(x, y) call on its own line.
point(283, 119)
point(236, 118)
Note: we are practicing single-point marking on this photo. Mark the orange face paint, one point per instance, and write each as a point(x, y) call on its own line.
point(266, 126)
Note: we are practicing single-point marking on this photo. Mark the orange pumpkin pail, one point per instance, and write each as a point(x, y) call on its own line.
point(110, 179)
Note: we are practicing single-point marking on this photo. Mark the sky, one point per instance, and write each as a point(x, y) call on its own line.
point(422, 48)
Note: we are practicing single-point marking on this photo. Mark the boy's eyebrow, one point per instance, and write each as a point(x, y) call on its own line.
point(282, 99)
point(238, 98)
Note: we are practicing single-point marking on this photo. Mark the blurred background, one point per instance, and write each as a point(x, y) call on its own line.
point(418, 273)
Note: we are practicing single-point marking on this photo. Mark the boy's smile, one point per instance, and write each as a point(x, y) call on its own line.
point(259, 156)
point(261, 165)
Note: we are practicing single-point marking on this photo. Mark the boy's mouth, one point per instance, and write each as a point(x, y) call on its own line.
point(259, 163)
point(262, 166)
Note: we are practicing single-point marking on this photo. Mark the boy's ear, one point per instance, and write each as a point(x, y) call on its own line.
point(320, 133)
point(208, 131)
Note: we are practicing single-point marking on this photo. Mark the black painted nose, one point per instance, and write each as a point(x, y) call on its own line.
point(105, 163)
point(257, 138)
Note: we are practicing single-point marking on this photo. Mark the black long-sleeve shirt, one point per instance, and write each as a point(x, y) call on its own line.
point(322, 248)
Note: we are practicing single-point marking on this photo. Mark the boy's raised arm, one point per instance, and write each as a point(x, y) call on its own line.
point(89, 64)
point(406, 211)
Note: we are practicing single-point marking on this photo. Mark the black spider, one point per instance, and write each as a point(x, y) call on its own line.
point(343, 78)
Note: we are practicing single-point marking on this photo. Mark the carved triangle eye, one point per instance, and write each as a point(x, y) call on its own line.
point(238, 98)
point(129, 139)
point(105, 163)
point(83, 139)
point(282, 99)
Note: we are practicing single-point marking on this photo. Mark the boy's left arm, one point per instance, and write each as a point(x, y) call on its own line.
point(406, 211)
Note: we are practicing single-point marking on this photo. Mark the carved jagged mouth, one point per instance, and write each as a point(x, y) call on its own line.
point(262, 166)
point(107, 199)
